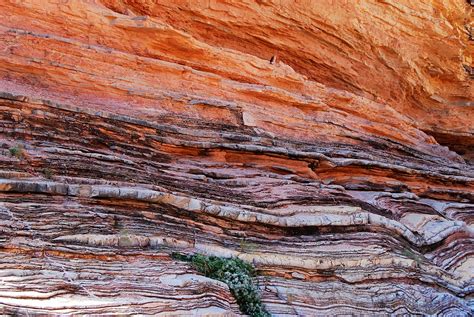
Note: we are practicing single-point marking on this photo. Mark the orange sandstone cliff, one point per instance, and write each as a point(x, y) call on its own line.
point(343, 171)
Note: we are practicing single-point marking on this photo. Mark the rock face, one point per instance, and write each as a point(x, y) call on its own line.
point(131, 129)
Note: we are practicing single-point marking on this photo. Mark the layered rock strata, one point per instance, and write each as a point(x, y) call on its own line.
point(343, 172)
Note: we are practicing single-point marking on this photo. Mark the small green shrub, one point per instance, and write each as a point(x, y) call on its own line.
point(48, 173)
point(246, 246)
point(418, 258)
point(236, 273)
point(17, 151)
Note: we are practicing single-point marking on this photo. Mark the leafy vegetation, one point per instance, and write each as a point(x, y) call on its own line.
point(236, 273)
point(418, 258)
point(17, 151)
point(247, 246)
point(48, 173)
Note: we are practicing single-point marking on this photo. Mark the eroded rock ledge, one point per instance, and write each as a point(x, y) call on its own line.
point(139, 129)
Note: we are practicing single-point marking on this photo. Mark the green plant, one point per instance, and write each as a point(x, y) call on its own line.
point(48, 173)
point(236, 273)
point(17, 151)
point(247, 246)
point(418, 258)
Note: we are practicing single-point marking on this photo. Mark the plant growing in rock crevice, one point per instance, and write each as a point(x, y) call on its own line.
point(236, 273)
point(48, 173)
point(17, 151)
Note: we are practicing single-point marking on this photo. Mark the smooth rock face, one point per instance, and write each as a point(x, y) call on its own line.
point(131, 129)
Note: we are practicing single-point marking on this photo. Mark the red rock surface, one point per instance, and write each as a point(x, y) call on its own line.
point(132, 128)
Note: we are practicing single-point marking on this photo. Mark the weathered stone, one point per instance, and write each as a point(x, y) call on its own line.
point(343, 170)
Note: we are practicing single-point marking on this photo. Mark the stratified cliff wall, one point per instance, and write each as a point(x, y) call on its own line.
point(343, 171)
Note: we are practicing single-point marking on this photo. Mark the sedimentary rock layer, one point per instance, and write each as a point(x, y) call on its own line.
point(130, 130)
